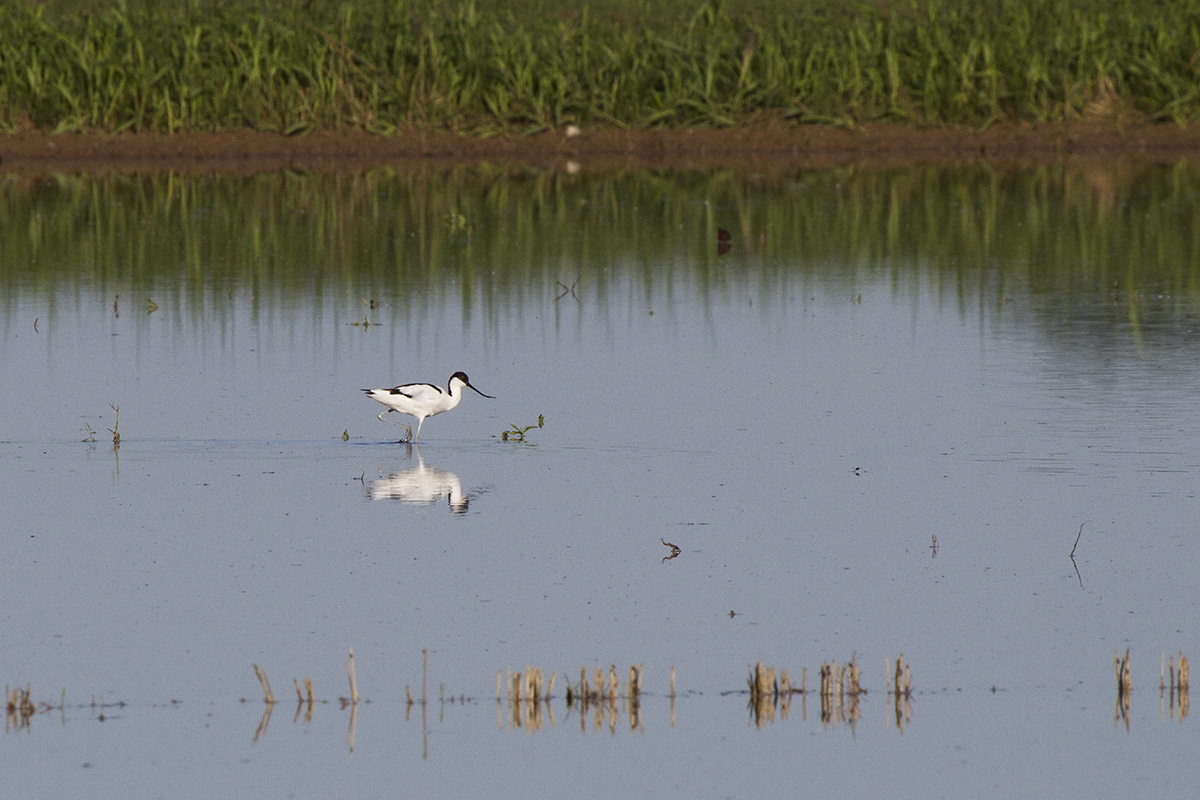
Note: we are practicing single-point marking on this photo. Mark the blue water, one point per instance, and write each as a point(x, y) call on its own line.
point(804, 440)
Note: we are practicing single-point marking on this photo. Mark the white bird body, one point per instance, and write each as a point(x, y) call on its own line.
point(421, 400)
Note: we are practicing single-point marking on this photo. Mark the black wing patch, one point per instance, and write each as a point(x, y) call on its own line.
point(400, 389)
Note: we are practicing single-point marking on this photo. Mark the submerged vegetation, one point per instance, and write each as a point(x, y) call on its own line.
point(489, 67)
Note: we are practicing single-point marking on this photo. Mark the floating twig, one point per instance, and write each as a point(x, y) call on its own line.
point(1077, 536)
point(1071, 555)
point(674, 550)
point(300, 700)
point(266, 685)
point(353, 681)
point(308, 686)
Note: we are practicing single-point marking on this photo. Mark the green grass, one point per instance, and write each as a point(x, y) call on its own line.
point(489, 67)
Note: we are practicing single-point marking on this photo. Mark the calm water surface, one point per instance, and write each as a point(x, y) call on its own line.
point(880, 361)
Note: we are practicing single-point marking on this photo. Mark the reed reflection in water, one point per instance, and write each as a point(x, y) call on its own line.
point(476, 238)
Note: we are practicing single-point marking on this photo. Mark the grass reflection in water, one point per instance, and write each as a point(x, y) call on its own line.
point(973, 233)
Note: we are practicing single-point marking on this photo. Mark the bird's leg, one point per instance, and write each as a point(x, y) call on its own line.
point(420, 422)
point(408, 437)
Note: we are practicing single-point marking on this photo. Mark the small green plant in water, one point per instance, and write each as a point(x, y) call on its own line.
point(114, 430)
point(346, 435)
point(517, 434)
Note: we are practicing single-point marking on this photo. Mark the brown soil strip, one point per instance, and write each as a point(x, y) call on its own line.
point(767, 148)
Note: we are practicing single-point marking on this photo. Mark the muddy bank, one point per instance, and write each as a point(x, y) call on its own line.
point(876, 146)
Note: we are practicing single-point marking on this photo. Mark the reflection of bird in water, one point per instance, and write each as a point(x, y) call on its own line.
point(421, 400)
point(421, 486)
